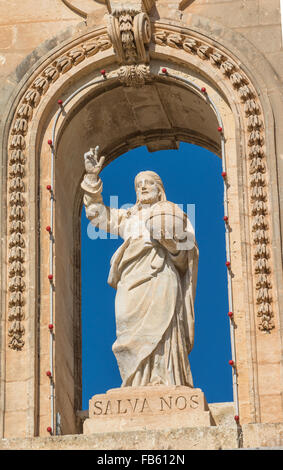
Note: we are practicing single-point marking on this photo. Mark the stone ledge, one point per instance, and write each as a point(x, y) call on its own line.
point(199, 438)
point(254, 436)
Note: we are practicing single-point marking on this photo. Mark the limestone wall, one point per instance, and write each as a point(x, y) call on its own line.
point(26, 25)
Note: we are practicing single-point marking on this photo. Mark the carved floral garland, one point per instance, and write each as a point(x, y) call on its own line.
point(257, 164)
point(17, 171)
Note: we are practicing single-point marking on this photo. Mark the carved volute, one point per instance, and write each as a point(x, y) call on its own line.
point(130, 33)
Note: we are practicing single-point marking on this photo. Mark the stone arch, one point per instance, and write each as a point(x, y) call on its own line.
point(244, 114)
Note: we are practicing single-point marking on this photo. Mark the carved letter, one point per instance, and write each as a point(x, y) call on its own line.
point(119, 409)
point(194, 403)
point(145, 404)
point(108, 408)
point(135, 405)
point(96, 406)
point(177, 401)
point(169, 405)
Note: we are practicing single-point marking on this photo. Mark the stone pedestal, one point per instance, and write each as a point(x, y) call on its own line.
point(152, 407)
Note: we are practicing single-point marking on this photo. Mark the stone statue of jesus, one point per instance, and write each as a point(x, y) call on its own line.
point(155, 278)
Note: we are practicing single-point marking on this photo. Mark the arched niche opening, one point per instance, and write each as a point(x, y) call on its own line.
point(192, 178)
point(159, 116)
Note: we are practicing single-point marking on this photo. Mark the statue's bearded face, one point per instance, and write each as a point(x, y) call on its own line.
point(147, 189)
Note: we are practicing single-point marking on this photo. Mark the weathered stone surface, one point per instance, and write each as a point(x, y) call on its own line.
point(264, 436)
point(192, 438)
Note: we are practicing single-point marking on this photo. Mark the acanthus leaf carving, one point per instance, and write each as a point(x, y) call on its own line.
point(16, 269)
point(227, 67)
point(216, 58)
point(17, 213)
point(255, 138)
point(16, 299)
point(16, 313)
point(16, 254)
point(17, 199)
point(134, 75)
point(100, 43)
point(17, 156)
point(16, 239)
point(257, 166)
point(18, 142)
point(262, 266)
point(17, 169)
point(254, 122)
point(256, 151)
point(259, 222)
point(251, 107)
point(16, 184)
point(24, 111)
point(16, 332)
point(63, 64)
point(174, 40)
point(257, 192)
point(77, 55)
point(52, 73)
point(257, 179)
point(190, 45)
point(20, 126)
point(41, 84)
point(261, 251)
point(204, 52)
point(32, 98)
point(263, 281)
point(17, 284)
point(17, 226)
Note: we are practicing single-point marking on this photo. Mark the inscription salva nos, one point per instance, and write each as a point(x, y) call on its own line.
point(143, 405)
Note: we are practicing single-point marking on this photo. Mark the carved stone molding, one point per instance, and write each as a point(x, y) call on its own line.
point(256, 162)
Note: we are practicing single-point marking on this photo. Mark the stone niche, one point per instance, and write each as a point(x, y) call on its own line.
point(153, 407)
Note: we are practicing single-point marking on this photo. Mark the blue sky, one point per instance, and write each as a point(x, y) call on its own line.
point(191, 175)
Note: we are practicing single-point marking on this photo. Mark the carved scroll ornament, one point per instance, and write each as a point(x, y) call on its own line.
point(129, 30)
point(130, 33)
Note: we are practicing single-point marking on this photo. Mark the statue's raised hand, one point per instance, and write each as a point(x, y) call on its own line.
point(93, 164)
